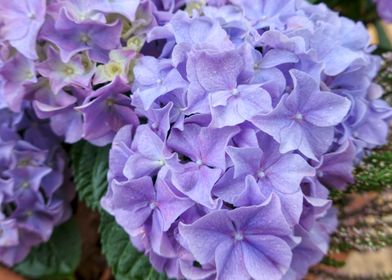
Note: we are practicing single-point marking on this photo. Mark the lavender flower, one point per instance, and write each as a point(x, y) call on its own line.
point(111, 105)
point(20, 23)
point(72, 37)
point(62, 74)
point(304, 120)
point(243, 242)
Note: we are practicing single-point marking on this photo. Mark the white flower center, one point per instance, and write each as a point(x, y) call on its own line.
point(238, 236)
point(261, 174)
point(84, 38)
point(31, 15)
point(235, 92)
point(299, 117)
point(153, 205)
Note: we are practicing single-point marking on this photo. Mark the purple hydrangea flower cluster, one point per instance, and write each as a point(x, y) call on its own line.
point(384, 9)
point(55, 55)
point(73, 60)
point(250, 112)
point(33, 199)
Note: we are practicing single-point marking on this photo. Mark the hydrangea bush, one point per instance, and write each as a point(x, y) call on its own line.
point(229, 123)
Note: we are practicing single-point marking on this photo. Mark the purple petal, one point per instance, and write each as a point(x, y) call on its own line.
point(266, 257)
point(206, 234)
point(133, 200)
point(229, 259)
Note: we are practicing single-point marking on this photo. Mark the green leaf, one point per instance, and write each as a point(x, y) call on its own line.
point(332, 262)
point(126, 262)
point(374, 174)
point(56, 259)
point(385, 43)
point(90, 166)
